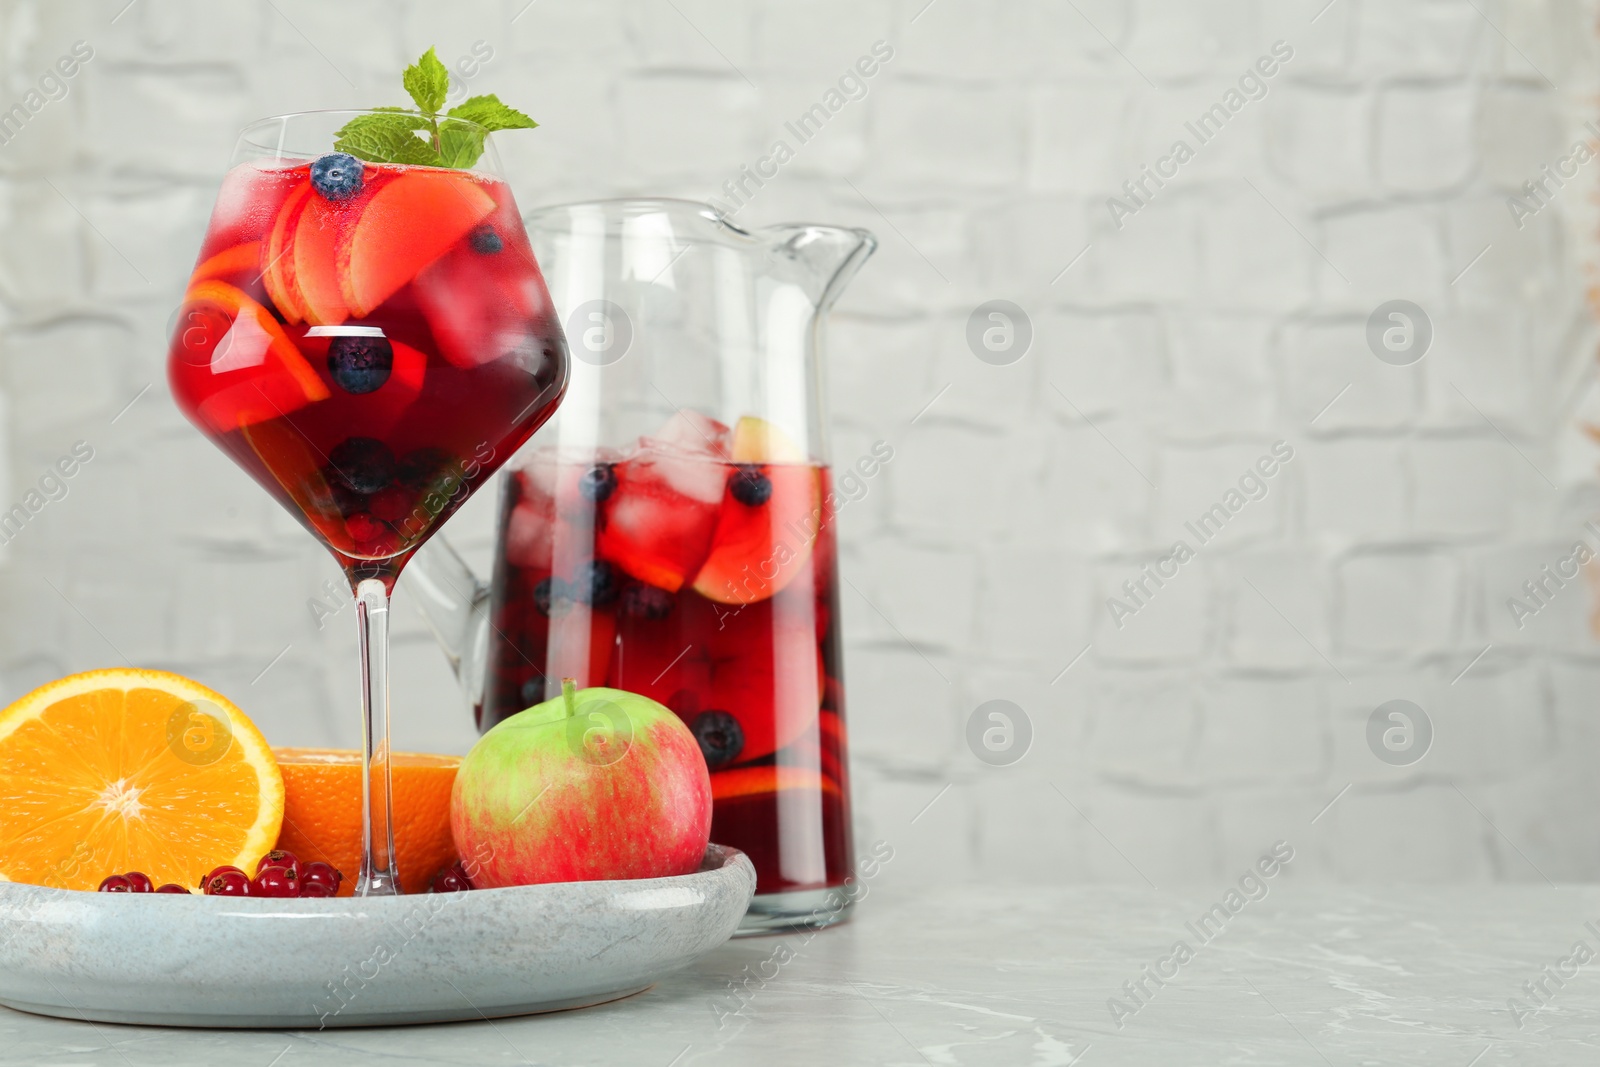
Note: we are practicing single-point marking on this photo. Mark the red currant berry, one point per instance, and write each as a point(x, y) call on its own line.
point(141, 882)
point(171, 887)
point(116, 883)
point(320, 874)
point(391, 504)
point(315, 889)
point(275, 882)
point(451, 879)
point(364, 528)
point(279, 858)
point(227, 882)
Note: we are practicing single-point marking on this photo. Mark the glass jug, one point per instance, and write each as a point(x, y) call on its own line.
point(670, 532)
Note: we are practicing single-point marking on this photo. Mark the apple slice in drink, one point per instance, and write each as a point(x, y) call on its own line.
point(763, 540)
point(758, 663)
point(277, 268)
point(316, 239)
point(408, 222)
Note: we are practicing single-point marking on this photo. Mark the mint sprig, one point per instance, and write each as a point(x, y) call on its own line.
point(425, 136)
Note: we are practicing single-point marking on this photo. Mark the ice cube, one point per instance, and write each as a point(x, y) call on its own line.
point(698, 476)
point(529, 536)
point(551, 473)
point(693, 432)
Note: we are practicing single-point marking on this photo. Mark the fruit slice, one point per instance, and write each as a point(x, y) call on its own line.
point(250, 373)
point(289, 457)
point(774, 690)
point(752, 781)
point(316, 262)
point(123, 769)
point(277, 271)
point(322, 812)
point(758, 663)
point(407, 224)
point(239, 259)
point(760, 546)
point(759, 441)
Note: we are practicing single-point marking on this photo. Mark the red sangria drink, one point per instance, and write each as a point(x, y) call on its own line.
point(369, 340)
point(697, 568)
point(367, 333)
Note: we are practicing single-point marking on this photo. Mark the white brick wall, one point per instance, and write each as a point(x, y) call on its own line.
point(1222, 317)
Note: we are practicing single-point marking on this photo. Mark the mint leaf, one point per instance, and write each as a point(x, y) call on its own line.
point(487, 111)
point(460, 144)
point(427, 81)
point(389, 118)
point(388, 137)
point(390, 134)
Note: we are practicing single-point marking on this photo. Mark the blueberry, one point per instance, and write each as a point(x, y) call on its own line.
point(595, 583)
point(597, 483)
point(337, 176)
point(345, 499)
point(424, 468)
point(360, 364)
point(485, 241)
point(646, 601)
point(720, 735)
point(749, 486)
point(364, 464)
point(549, 592)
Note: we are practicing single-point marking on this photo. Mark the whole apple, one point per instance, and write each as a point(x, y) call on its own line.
point(595, 784)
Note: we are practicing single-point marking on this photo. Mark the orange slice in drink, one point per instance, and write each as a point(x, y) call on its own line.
point(132, 770)
point(253, 372)
point(322, 811)
point(753, 781)
point(240, 259)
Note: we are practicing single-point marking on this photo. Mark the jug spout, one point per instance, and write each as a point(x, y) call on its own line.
point(829, 256)
point(455, 605)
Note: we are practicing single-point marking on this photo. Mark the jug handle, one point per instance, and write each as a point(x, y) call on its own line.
point(455, 605)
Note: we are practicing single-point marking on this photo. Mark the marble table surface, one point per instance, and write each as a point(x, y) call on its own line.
point(1323, 976)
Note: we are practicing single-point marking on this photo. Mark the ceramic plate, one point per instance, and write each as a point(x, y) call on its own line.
point(171, 960)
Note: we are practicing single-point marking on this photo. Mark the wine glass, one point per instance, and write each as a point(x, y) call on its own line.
point(370, 341)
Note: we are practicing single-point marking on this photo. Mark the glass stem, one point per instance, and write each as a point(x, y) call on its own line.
point(378, 874)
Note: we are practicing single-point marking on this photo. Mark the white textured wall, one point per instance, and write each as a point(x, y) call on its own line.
point(1222, 317)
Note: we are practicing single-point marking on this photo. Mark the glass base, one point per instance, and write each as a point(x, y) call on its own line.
point(808, 909)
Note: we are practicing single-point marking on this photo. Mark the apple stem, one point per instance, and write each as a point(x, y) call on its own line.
point(569, 693)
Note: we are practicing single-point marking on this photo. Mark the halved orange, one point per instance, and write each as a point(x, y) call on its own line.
point(322, 811)
point(123, 770)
